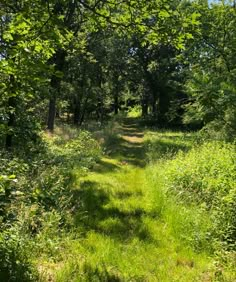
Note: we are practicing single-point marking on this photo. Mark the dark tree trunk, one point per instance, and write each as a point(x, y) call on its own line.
point(59, 61)
point(81, 120)
point(83, 111)
point(101, 102)
point(77, 109)
point(101, 111)
point(163, 105)
point(12, 115)
point(116, 104)
point(144, 108)
point(153, 86)
point(51, 113)
point(154, 105)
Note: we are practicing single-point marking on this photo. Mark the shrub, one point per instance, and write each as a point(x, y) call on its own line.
point(84, 149)
point(15, 254)
point(36, 198)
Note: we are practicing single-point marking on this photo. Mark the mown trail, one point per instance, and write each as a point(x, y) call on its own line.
point(122, 234)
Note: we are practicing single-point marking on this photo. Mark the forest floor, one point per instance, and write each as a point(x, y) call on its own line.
point(124, 233)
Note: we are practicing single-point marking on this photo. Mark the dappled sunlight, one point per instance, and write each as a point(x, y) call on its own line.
point(133, 139)
point(115, 209)
point(125, 228)
point(126, 145)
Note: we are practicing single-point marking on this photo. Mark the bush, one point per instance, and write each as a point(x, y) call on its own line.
point(15, 254)
point(36, 198)
point(84, 149)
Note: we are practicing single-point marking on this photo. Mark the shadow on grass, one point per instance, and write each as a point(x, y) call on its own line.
point(168, 146)
point(95, 215)
point(123, 195)
point(100, 273)
point(103, 166)
point(160, 148)
point(127, 146)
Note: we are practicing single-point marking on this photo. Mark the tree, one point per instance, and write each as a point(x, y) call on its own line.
point(211, 83)
point(23, 58)
point(38, 37)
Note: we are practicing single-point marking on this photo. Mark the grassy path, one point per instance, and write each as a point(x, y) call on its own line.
point(122, 233)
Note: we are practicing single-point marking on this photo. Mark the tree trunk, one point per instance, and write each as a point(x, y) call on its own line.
point(77, 109)
point(144, 104)
point(58, 60)
point(12, 115)
point(144, 109)
point(154, 105)
point(163, 106)
point(51, 113)
point(116, 104)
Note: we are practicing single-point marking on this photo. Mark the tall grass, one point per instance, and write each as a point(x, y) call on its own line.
point(124, 237)
point(199, 195)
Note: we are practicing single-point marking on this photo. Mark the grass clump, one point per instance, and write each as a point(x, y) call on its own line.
point(206, 175)
point(193, 190)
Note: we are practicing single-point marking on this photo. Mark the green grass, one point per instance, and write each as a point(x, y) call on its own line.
point(157, 206)
point(123, 237)
point(127, 227)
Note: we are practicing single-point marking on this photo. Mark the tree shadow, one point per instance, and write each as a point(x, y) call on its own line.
point(100, 273)
point(166, 148)
point(134, 134)
point(94, 214)
point(128, 146)
point(103, 166)
point(126, 194)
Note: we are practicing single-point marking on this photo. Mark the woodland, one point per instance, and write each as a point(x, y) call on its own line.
point(117, 140)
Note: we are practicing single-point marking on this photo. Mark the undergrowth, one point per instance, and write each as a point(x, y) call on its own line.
point(36, 197)
point(158, 206)
point(200, 177)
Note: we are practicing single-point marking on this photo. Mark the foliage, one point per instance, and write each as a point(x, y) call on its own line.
point(206, 174)
point(15, 257)
point(134, 112)
point(36, 197)
point(168, 61)
point(211, 77)
point(165, 144)
point(84, 149)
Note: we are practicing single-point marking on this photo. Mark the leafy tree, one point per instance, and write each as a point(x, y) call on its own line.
point(23, 58)
point(211, 84)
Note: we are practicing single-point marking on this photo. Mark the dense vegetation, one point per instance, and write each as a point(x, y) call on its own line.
point(117, 140)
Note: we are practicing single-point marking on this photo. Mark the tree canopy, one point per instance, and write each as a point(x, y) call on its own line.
point(89, 58)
